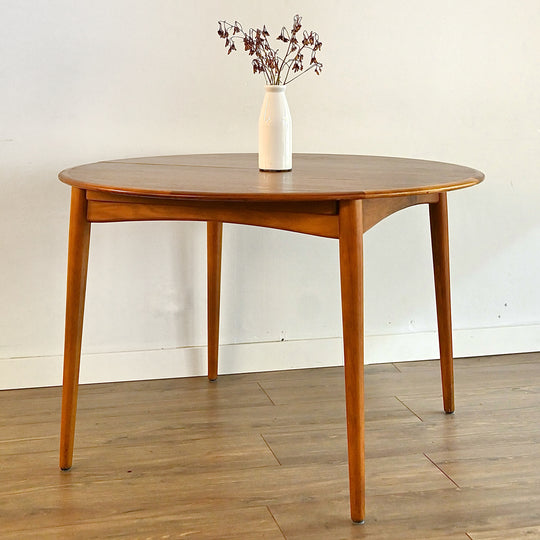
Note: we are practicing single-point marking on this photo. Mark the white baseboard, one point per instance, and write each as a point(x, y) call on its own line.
point(39, 371)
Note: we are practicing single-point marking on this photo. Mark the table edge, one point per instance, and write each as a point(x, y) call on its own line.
point(475, 178)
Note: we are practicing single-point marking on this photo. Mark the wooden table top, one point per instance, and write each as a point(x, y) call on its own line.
point(237, 177)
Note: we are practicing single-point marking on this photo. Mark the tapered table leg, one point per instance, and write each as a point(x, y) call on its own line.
point(79, 242)
point(438, 215)
point(351, 268)
point(214, 234)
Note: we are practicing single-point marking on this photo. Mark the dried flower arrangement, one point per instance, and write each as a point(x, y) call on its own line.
point(276, 69)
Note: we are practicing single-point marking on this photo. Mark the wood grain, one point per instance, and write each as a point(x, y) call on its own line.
point(185, 457)
point(438, 215)
point(236, 177)
point(352, 304)
point(79, 242)
point(323, 195)
point(213, 249)
point(375, 210)
point(318, 224)
point(530, 533)
point(303, 207)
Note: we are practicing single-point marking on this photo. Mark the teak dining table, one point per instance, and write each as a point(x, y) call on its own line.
point(334, 196)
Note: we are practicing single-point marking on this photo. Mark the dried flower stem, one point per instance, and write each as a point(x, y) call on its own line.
point(267, 60)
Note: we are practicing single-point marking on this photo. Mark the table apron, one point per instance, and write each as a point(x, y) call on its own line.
point(318, 218)
point(375, 210)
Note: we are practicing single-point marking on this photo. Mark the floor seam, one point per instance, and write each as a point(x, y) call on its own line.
point(409, 409)
point(266, 393)
point(447, 476)
point(276, 522)
point(270, 448)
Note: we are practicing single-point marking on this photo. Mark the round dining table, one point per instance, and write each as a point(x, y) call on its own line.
point(329, 195)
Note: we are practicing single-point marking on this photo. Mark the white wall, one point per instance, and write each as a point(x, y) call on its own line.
point(84, 81)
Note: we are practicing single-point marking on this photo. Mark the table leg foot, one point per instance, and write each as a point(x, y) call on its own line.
point(438, 214)
point(214, 235)
point(79, 242)
point(351, 269)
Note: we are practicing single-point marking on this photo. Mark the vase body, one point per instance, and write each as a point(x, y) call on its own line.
point(275, 131)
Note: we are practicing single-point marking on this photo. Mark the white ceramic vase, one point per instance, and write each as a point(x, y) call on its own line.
point(275, 131)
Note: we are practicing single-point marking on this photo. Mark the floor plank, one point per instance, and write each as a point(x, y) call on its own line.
point(419, 515)
point(241, 524)
point(515, 534)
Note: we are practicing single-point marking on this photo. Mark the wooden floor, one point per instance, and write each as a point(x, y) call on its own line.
point(264, 456)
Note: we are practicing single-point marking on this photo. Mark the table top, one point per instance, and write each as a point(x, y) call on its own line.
point(237, 177)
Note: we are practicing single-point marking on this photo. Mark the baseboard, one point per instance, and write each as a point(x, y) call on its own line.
point(39, 371)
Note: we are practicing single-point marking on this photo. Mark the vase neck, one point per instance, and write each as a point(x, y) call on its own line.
point(275, 88)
